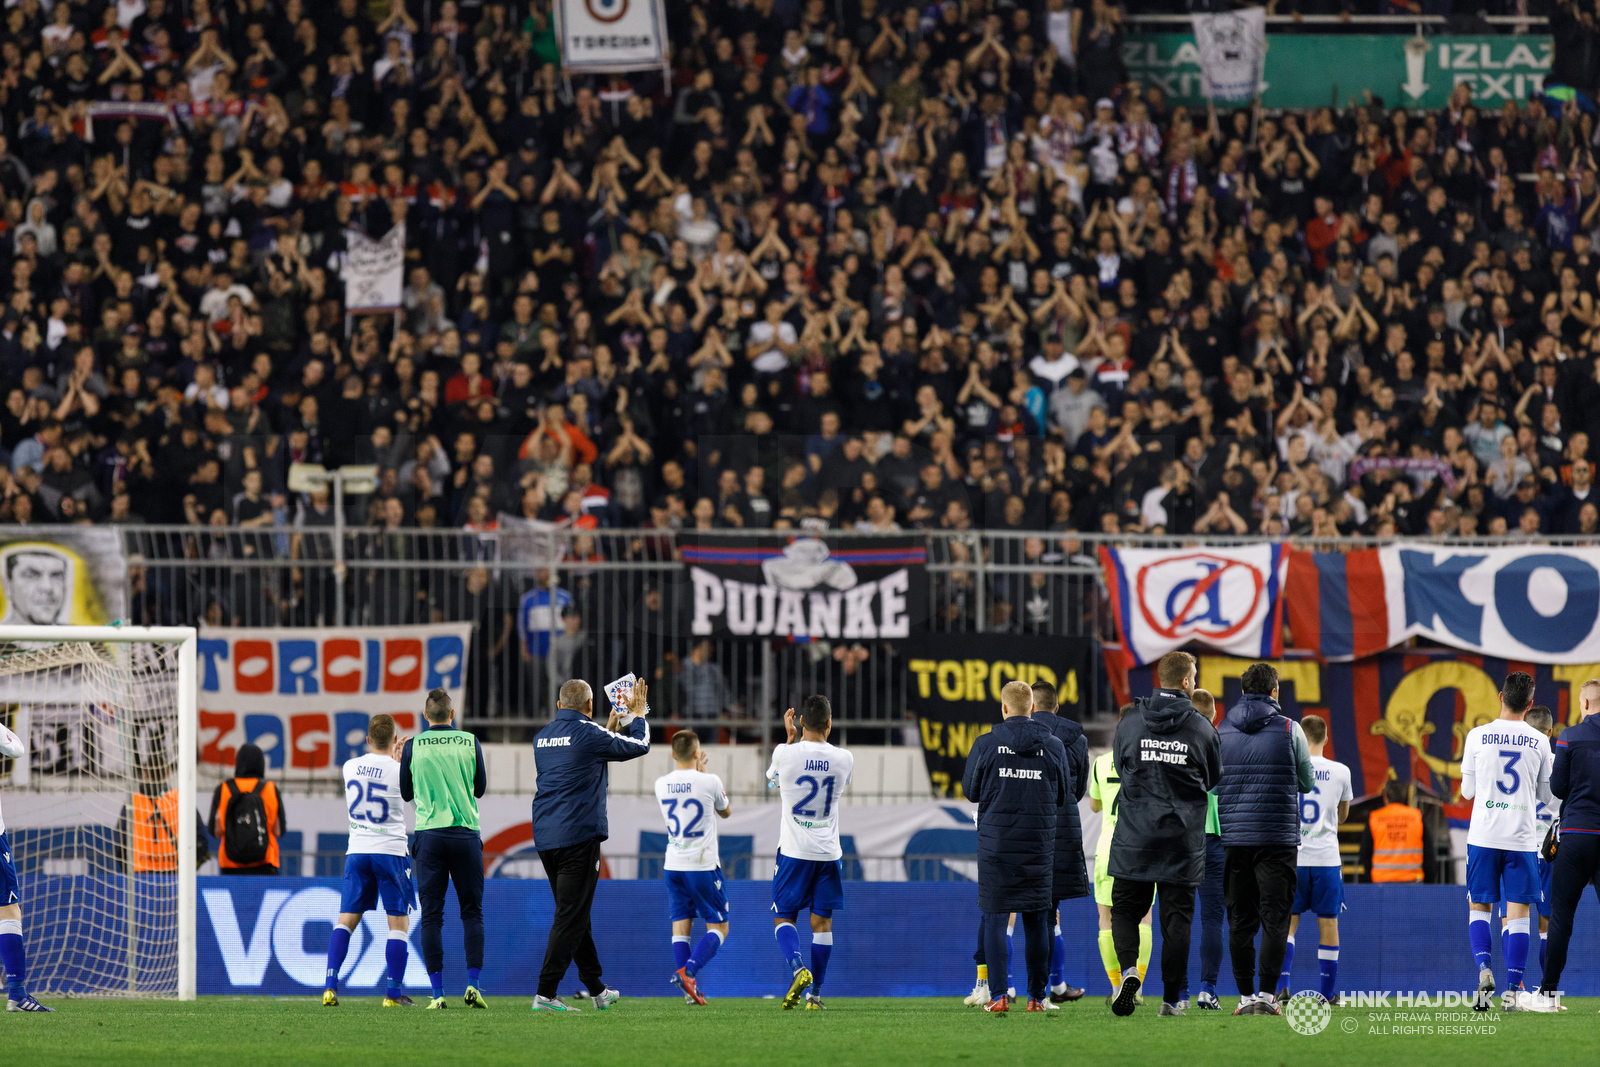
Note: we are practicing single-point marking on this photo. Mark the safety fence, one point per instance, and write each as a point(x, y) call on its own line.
point(610, 601)
point(607, 601)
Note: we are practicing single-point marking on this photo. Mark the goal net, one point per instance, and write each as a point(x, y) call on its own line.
point(100, 812)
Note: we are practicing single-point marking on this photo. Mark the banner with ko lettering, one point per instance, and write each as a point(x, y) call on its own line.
point(1539, 604)
point(1228, 598)
point(1401, 712)
point(837, 586)
point(953, 683)
point(304, 696)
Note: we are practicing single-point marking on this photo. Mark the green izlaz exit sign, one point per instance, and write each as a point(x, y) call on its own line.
point(1316, 70)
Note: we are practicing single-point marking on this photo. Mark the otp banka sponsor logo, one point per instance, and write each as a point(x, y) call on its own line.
point(1199, 595)
point(292, 928)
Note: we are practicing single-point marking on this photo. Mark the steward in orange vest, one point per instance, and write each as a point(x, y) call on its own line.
point(147, 829)
point(249, 780)
point(1396, 843)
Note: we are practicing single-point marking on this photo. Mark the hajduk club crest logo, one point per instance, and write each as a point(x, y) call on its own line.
point(1199, 596)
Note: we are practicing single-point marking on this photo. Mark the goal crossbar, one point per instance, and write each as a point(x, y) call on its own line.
point(187, 699)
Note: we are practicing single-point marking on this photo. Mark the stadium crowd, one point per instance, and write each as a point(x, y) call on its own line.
point(886, 266)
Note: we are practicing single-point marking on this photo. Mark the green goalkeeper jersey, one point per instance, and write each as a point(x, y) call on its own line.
point(1104, 784)
point(442, 772)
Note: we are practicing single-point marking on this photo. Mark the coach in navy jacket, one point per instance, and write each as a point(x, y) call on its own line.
point(1017, 773)
point(1266, 765)
point(1070, 878)
point(1576, 780)
point(1166, 756)
point(569, 819)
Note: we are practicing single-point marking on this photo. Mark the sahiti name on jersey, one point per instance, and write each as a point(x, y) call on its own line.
point(305, 696)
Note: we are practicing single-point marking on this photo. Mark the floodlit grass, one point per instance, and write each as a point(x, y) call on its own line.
point(659, 1032)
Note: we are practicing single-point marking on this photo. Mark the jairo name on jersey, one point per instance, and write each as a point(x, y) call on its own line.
point(816, 764)
point(1153, 751)
point(1019, 772)
point(554, 742)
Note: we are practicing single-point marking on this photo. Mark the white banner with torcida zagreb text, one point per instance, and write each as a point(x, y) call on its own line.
point(611, 35)
point(304, 696)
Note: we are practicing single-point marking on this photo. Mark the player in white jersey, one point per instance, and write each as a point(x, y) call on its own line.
point(810, 776)
point(377, 865)
point(688, 797)
point(1505, 771)
point(11, 954)
point(1318, 869)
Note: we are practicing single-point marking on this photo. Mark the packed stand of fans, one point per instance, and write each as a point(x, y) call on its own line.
point(865, 265)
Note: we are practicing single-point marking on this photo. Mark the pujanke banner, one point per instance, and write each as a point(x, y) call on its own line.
point(1401, 712)
point(953, 684)
point(832, 586)
point(1319, 70)
point(304, 696)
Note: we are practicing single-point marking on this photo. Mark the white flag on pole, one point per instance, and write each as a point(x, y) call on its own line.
point(374, 270)
point(1233, 53)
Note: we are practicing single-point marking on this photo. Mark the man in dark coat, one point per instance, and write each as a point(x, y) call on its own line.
point(1168, 759)
point(1266, 765)
point(1070, 878)
point(1017, 773)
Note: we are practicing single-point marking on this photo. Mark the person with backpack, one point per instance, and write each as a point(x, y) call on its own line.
point(247, 816)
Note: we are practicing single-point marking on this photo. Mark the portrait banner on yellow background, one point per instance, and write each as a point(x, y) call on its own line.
point(74, 577)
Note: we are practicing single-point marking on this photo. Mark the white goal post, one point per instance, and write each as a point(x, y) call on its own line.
point(98, 708)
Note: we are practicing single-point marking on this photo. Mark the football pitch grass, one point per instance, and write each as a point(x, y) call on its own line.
point(661, 1032)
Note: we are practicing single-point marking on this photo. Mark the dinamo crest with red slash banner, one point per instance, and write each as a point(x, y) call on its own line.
point(1228, 598)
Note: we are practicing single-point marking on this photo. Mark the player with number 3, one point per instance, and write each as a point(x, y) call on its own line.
point(810, 776)
point(1505, 772)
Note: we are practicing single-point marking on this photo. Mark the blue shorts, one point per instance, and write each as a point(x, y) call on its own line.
point(1491, 870)
point(811, 884)
point(696, 895)
point(368, 877)
point(1544, 886)
point(1319, 889)
point(10, 889)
